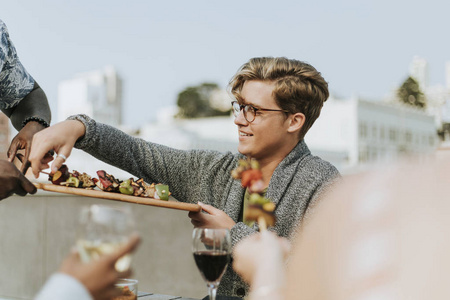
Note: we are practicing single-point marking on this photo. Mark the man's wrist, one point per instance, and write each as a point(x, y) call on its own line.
point(38, 120)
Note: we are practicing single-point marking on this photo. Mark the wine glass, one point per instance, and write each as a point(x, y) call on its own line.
point(102, 230)
point(211, 248)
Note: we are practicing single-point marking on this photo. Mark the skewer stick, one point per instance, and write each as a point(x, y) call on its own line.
point(262, 224)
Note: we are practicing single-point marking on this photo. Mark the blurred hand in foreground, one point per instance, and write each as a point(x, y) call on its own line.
point(99, 276)
point(261, 253)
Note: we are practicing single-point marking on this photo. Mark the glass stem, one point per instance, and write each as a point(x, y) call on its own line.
point(212, 291)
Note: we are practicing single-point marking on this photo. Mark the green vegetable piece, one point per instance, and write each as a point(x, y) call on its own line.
point(163, 191)
point(73, 181)
point(126, 188)
point(256, 198)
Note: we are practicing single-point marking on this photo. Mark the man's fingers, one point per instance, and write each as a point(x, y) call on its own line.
point(48, 157)
point(130, 246)
point(26, 163)
point(124, 274)
point(20, 191)
point(208, 208)
point(27, 185)
point(194, 215)
point(12, 151)
point(60, 158)
point(57, 163)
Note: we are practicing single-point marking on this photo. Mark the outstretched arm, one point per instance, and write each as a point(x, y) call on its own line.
point(31, 115)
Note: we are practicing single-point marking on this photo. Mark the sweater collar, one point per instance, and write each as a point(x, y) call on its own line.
point(285, 171)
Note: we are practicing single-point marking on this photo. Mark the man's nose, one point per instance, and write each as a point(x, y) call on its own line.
point(240, 119)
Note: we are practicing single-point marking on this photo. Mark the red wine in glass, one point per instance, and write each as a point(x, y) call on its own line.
point(211, 264)
point(211, 248)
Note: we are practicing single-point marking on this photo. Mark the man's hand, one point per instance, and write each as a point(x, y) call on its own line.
point(214, 218)
point(13, 181)
point(99, 276)
point(60, 138)
point(23, 141)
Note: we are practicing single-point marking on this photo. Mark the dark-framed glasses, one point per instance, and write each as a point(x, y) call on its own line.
point(249, 110)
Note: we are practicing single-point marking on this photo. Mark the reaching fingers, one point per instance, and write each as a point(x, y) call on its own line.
point(130, 246)
point(48, 157)
point(27, 185)
point(26, 163)
point(58, 162)
point(12, 151)
point(208, 208)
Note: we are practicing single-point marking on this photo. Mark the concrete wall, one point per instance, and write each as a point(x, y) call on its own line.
point(38, 231)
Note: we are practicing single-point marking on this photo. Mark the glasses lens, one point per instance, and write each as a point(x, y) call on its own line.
point(249, 113)
point(236, 108)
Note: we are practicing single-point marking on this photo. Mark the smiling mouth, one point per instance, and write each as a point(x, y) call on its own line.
point(244, 134)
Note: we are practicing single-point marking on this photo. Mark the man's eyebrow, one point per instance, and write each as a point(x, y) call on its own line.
point(242, 100)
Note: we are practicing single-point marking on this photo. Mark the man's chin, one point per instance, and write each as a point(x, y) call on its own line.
point(242, 150)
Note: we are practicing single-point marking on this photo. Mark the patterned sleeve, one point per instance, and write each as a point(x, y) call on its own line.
point(15, 82)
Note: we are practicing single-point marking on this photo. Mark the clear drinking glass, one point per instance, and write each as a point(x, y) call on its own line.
point(128, 289)
point(102, 230)
point(211, 248)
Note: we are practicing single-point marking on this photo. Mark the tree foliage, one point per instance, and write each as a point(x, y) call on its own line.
point(410, 93)
point(196, 102)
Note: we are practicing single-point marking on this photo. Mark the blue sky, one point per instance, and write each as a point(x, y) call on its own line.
point(160, 47)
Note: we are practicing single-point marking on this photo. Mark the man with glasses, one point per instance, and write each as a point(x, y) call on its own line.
point(277, 101)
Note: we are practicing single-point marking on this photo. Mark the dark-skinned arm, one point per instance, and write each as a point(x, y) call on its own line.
point(35, 104)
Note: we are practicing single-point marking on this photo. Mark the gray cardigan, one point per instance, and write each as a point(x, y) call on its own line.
point(200, 175)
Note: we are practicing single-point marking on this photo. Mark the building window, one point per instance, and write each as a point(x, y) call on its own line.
point(392, 135)
point(382, 133)
point(374, 131)
point(362, 130)
point(408, 136)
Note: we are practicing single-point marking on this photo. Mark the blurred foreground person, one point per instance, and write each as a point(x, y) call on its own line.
point(86, 281)
point(25, 103)
point(379, 235)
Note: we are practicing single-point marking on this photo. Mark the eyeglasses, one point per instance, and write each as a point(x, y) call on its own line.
point(249, 110)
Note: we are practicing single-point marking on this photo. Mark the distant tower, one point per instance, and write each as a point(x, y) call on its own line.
point(4, 135)
point(97, 93)
point(418, 69)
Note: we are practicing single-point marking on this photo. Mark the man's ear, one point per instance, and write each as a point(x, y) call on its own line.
point(296, 122)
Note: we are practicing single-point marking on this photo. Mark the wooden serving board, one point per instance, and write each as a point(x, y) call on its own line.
point(118, 197)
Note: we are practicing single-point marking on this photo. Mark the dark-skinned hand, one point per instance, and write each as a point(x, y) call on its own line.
point(13, 181)
point(23, 141)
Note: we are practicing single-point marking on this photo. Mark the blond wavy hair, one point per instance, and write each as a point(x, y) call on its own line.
point(299, 87)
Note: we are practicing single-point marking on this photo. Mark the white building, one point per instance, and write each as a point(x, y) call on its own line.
point(97, 93)
point(360, 132)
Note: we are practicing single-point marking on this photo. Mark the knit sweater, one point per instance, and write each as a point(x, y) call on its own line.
point(204, 175)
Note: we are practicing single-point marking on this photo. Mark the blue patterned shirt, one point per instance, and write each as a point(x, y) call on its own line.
point(15, 82)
